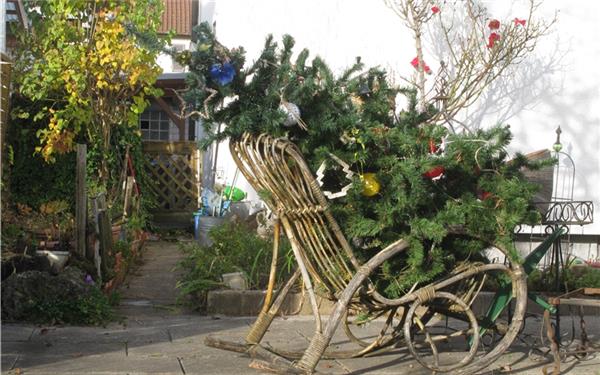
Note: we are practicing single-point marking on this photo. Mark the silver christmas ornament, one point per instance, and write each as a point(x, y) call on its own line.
point(292, 111)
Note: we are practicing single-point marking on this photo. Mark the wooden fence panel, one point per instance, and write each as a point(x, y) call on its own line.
point(174, 169)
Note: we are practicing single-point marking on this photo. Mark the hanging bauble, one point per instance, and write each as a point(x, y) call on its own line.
point(364, 89)
point(357, 101)
point(292, 112)
point(435, 173)
point(484, 195)
point(432, 146)
point(370, 184)
point(293, 115)
point(348, 174)
point(380, 131)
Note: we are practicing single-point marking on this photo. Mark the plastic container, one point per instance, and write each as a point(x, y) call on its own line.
point(205, 224)
point(57, 259)
point(197, 215)
point(236, 196)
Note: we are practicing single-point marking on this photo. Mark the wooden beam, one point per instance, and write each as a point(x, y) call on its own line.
point(177, 120)
point(105, 239)
point(154, 147)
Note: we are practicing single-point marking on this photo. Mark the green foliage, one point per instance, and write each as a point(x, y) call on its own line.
point(66, 298)
point(31, 180)
point(479, 199)
point(90, 73)
point(93, 308)
point(587, 277)
point(235, 248)
point(571, 278)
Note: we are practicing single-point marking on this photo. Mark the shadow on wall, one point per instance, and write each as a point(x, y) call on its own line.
point(524, 84)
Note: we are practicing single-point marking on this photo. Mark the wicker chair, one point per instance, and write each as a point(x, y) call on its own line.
point(277, 170)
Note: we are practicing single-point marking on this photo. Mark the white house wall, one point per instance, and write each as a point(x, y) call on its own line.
point(340, 30)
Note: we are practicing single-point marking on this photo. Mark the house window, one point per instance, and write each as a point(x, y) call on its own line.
point(154, 125)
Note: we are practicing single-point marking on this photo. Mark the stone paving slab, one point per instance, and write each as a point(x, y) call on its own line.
point(157, 337)
point(155, 342)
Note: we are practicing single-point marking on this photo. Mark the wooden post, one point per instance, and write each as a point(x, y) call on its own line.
point(129, 182)
point(81, 200)
point(105, 239)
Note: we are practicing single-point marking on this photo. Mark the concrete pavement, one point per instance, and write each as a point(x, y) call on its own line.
point(162, 341)
point(157, 337)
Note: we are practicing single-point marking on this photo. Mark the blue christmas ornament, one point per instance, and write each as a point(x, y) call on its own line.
point(222, 73)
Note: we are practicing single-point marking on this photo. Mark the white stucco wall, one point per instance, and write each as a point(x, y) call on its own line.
point(566, 93)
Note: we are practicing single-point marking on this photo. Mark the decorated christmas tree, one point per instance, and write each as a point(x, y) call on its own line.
point(390, 173)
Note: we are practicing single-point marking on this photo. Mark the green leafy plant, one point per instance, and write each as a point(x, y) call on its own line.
point(96, 70)
point(571, 277)
point(30, 180)
point(71, 297)
point(235, 248)
point(93, 308)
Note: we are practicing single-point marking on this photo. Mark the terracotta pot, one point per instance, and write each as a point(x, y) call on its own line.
point(116, 232)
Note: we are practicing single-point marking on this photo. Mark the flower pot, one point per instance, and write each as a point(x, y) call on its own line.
point(57, 259)
point(118, 233)
point(205, 224)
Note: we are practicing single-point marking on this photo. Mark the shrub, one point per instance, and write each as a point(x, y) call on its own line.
point(235, 248)
point(572, 277)
point(39, 297)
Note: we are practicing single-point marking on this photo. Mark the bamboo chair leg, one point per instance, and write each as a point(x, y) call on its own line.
point(260, 326)
point(264, 320)
point(262, 323)
point(320, 341)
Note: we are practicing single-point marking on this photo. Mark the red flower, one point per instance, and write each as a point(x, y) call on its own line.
point(492, 39)
point(494, 24)
point(519, 22)
point(415, 64)
point(435, 9)
point(435, 173)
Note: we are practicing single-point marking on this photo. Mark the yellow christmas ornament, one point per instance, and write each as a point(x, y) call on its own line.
point(370, 184)
point(357, 101)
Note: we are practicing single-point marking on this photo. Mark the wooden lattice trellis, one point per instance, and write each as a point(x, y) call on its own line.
point(174, 169)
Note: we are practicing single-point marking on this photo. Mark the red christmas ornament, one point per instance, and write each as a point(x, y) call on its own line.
point(435, 173)
point(432, 147)
point(519, 22)
point(483, 195)
point(492, 39)
point(415, 63)
point(494, 25)
point(435, 9)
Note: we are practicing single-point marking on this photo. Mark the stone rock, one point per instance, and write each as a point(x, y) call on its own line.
point(21, 292)
point(20, 263)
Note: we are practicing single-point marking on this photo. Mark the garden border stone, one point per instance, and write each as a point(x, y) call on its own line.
point(249, 302)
